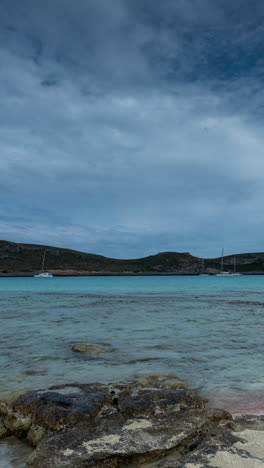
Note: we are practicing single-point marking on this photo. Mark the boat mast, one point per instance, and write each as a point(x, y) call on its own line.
point(43, 260)
point(222, 261)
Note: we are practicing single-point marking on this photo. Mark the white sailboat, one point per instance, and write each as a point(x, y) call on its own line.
point(223, 273)
point(227, 273)
point(202, 269)
point(235, 273)
point(43, 274)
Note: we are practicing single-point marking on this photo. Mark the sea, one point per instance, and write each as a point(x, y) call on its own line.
point(206, 330)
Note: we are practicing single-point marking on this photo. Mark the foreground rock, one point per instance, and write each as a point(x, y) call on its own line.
point(155, 420)
point(240, 444)
point(91, 348)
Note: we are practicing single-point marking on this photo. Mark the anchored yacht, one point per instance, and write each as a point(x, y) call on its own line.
point(227, 273)
point(43, 274)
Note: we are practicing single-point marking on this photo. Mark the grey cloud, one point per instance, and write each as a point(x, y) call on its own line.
point(131, 127)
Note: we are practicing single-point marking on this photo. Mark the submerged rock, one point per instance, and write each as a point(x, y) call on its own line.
point(14, 453)
point(91, 348)
point(155, 421)
point(3, 429)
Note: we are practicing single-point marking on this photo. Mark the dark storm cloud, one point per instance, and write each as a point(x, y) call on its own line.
point(128, 127)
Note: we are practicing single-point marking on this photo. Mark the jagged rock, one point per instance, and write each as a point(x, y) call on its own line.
point(238, 444)
point(17, 424)
point(62, 406)
point(91, 348)
point(35, 434)
point(154, 421)
point(112, 442)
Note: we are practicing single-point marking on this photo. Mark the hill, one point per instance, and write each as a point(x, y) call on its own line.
point(26, 259)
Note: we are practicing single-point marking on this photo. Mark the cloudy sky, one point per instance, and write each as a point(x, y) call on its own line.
point(130, 127)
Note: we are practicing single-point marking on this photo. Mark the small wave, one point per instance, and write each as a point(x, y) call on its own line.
point(135, 361)
point(255, 303)
point(161, 346)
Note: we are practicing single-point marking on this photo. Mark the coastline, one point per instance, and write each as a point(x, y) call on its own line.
point(73, 274)
point(84, 274)
point(21, 259)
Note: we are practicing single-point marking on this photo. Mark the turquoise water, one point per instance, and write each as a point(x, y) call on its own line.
point(206, 330)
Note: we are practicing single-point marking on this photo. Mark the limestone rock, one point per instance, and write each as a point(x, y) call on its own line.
point(240, 447)
point(35, 434)
point(112, 443)
point(16, 423)
point(91, 348)
point(154, 420)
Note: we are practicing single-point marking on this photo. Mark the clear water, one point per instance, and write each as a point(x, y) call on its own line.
point(206, 330)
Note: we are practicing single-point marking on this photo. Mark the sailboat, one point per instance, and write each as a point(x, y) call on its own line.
point(202, 269)
point(43, 274)
point(234, 272)
point(227, 273)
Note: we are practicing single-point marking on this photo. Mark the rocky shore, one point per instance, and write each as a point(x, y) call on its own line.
point(154, 422)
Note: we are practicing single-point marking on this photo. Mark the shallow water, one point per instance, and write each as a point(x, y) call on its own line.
point(206, 330)
point(13, 453)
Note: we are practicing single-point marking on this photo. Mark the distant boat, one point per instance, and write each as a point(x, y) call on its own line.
point(227, 273)
point(202, 269)
point(43, 274)
point(234, 272)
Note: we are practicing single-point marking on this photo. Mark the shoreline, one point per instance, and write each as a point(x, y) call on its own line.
point(94, 274)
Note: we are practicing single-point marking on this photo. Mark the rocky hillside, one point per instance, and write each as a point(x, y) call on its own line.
point(27, 259)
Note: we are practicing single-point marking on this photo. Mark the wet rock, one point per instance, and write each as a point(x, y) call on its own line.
point(93, 349)
point(62, 406)
point(3, 430)
point(107, 426)
point(163, 381)
point(239, 445)
point(33, 372)
point(137, 440)
point(35, 434)
point(16, 423)
point(156, 401)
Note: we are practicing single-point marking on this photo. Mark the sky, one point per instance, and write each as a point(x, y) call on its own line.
point(131, 127)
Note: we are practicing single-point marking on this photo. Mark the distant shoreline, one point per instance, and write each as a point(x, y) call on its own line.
point(83, 275)
point(18, 259)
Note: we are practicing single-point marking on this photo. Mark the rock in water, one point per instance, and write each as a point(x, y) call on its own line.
point(91, 348)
